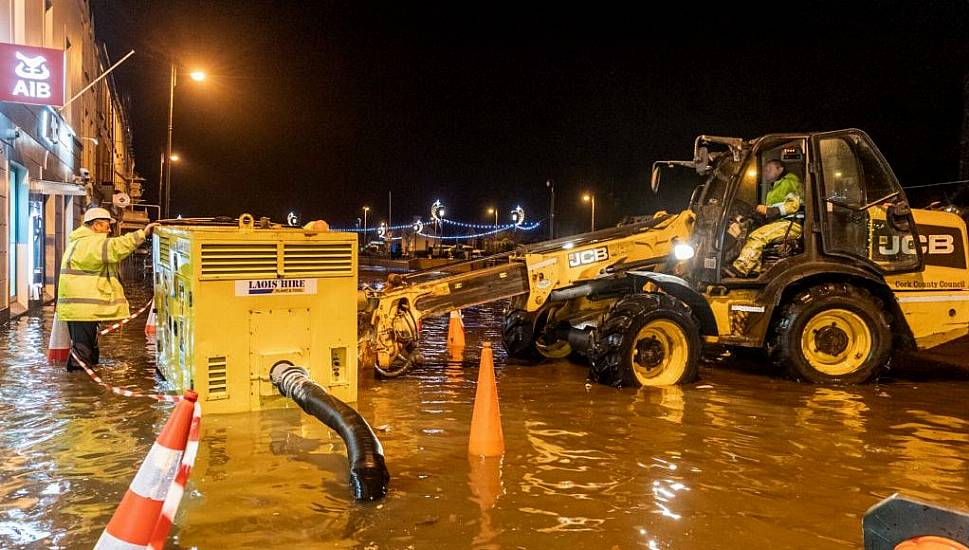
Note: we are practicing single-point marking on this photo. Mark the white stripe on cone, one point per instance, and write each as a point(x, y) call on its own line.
point(109, 542)
point(156, 472)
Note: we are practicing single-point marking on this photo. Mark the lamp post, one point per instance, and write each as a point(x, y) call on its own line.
point(551, 209)
point(591, 198)
point(494, 236)
point(365, 210)
point(197, 76)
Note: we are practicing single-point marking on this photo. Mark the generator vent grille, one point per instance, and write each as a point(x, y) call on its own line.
point(238, 260)
point(164, 251)
point(318, 259)
point(217, 378)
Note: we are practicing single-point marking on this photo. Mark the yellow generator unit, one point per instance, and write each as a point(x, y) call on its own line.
point(233, 300)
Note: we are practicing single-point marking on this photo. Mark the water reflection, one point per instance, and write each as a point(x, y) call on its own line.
point(736, 460)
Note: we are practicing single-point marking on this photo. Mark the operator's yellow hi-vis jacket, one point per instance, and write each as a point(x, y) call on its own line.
point(784, 197)
point(89, 288)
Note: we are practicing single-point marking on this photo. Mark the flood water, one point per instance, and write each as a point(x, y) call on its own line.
point(739, 459)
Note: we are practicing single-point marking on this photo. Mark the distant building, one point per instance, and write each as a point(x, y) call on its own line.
point(53, 163)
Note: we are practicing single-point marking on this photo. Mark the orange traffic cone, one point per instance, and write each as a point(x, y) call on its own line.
point(134, 520)
point(486, 436)
point(59, 347)
point(931, 542)
point(150, 323)
point(455, 330)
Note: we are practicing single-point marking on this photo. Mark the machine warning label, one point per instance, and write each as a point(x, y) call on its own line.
point(262, 287)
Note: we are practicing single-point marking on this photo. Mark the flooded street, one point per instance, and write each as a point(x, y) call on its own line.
point(739, 459)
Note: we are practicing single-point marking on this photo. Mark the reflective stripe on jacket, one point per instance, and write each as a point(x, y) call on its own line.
point(89, 288)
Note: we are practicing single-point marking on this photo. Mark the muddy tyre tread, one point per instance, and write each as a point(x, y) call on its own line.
point(785, 343)
point(518, 336)
point(608, 358)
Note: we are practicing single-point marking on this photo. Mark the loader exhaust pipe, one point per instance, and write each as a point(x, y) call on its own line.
point(368, 473)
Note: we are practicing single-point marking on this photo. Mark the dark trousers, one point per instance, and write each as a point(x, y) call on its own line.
point(84, 342)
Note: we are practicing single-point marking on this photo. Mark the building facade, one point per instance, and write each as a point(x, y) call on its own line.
point(55, 162)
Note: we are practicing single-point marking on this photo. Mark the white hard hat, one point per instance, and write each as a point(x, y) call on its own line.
point(97, 214)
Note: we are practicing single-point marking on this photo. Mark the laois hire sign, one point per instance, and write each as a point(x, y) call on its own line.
point(31, 75)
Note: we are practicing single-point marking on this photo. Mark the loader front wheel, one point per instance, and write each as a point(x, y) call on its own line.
point(647, 340)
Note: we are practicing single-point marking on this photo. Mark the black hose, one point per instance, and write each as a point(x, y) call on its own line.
point(368, 473)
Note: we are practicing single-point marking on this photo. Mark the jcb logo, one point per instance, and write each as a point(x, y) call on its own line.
point(931, 244)
point(941, 245)
point(585, 257)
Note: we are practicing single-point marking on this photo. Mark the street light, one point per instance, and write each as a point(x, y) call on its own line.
point(174, 157)
point(494, 237)
point(365, 210)
point(197, 76)
point(161, 180)
point(591, 198)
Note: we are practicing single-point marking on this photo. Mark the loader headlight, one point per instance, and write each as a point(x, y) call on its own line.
point(683, 251)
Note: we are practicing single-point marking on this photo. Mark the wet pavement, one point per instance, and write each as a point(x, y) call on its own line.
point(740, 459)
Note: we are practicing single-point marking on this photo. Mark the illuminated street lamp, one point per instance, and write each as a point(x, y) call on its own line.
point(437, 213)
point(174, 157)
point(494, 237)
point(197, 76)
point(591, 198)
point(365, 210)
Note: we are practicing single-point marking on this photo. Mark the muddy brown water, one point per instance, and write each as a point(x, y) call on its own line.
point(740, 459)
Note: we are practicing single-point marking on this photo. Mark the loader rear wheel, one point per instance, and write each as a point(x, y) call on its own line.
point(523, 340)
point(647, 340)
point(834, 333)
point(518, 336)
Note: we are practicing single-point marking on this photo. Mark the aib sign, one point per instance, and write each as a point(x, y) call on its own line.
point(31, 75)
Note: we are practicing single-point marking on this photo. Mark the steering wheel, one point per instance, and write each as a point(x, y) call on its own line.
point(743, 209)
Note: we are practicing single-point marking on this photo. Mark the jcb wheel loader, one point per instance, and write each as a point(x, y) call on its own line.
point(865, 275)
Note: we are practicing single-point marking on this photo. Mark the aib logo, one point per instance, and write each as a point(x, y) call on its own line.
point(33, 75)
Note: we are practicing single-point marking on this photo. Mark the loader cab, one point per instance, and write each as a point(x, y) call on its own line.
point(852, 209)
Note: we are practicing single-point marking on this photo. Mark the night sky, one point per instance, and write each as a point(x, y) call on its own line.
point(324, 108)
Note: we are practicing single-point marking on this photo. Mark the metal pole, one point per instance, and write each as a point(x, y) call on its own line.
point(161, 182)
point(494, 238)
point(95, 81)
point(168, 146)
point(593, 212)
point(390, 210)
point(551, 210)
point(365, 228)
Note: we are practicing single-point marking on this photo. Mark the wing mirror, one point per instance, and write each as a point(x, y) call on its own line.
point(655, 177)
point(899, 215)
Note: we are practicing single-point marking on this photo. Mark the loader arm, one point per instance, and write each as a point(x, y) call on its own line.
point(389, 340)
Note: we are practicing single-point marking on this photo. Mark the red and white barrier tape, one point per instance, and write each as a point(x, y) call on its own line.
point(177, 488)
point(122, 391)
point(116, 390)
point(118, 324)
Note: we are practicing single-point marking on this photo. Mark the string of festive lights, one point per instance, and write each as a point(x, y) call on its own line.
point(371, 228)
point(478, 225)
point(523, 227)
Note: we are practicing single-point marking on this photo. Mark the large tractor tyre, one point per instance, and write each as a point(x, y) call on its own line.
point(647, 340)
point(518, 336)
point(834, 333)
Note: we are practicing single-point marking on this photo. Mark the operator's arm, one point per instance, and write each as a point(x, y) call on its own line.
point(119, 248)
point(790, 205)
